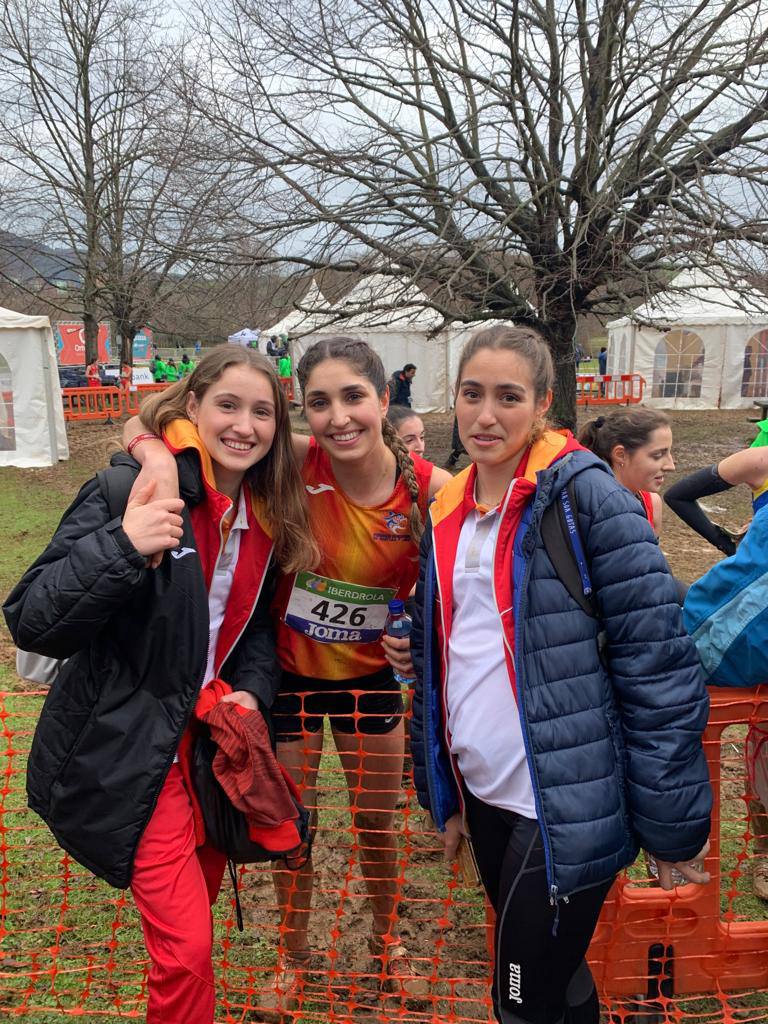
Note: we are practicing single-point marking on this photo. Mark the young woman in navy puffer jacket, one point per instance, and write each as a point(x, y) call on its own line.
point(562, 742)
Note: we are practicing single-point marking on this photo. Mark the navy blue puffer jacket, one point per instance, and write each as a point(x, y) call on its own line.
point(615, 753)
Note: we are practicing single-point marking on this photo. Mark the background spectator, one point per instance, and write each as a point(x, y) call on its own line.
point(400, 385)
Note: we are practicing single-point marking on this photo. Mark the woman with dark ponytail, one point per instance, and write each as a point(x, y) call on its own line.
point(367, 501)
point(637, 445)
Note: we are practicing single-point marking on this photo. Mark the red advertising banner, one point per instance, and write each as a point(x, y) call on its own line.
point(70, 344)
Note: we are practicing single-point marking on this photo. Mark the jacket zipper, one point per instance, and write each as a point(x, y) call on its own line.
point(428, 671)
point(204, 647)
point(443, 701)
point(553, 889)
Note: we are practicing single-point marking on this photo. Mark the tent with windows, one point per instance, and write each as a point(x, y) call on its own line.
point(32, 429)
point(700, 344)
point(395, 318)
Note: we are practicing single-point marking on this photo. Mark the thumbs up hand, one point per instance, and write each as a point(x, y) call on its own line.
point(153, 525)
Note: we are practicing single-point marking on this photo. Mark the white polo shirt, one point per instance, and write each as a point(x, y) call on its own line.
point(483, 719)
point(221, 584)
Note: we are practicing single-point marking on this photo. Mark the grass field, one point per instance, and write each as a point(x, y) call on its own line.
point(71, 946)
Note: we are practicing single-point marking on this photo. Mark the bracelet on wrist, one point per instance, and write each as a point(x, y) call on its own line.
point(134, 442)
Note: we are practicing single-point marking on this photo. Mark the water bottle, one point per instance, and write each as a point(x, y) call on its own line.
point(399, 624)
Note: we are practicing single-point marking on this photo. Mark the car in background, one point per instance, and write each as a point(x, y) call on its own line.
point(72, 377)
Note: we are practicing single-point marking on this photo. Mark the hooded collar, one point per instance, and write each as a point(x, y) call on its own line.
point(543, 454)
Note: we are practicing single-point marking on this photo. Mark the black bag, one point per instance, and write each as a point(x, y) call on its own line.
point(226, 827)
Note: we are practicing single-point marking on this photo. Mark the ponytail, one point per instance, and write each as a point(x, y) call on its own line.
point(408, 473)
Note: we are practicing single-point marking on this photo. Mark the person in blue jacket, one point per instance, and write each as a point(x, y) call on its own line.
point(561, 741)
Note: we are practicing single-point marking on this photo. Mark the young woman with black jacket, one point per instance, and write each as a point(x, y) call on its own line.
point(108, 770)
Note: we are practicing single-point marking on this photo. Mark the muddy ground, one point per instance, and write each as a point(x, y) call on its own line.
point(442, 925)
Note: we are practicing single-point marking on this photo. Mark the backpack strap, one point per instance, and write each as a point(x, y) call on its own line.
point(115, 485)
point(565, 548)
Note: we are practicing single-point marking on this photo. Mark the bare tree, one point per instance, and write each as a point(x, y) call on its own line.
point(536, 160)
point(101, 157)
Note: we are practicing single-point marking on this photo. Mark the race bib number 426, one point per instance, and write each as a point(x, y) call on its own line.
point(334, 612)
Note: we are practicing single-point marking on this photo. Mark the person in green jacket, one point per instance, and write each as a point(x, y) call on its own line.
point(284, 367)
point(172, 372)
point(160, 372)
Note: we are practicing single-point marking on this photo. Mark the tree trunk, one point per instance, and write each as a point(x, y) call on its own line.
point(126, 333)
point(90, 336)
point(561, 332)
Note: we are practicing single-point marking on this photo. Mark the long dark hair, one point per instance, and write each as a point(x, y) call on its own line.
point(362, 358)
point(631, 428)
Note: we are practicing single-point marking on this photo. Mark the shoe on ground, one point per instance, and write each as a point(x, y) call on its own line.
point(278, 1003)
point(760, 878)
point(398, 973)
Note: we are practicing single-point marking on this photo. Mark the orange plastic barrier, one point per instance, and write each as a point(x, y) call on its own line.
point(132, 399)
point(695, 939)
point(286, 383)
point(94, 404)
point(72, 947)
point(104, 404)
point(612, 389)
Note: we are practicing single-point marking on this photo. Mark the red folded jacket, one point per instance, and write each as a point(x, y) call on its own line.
point(248, 771)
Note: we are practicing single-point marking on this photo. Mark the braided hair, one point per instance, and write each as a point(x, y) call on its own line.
point(362, 358)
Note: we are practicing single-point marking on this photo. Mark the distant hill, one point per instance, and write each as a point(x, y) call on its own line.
point(24, 261)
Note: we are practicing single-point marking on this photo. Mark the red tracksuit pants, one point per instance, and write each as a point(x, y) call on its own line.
point(174, 885)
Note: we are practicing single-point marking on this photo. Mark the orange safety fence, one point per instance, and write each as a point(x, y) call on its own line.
point(92, 404)
point(72, 947)
point(609, 389)
point(105, 404)
point(132, 398)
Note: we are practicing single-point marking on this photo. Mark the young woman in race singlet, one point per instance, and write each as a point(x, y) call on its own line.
point(749, 467)
point(366, 499)
point(524, 733)
point(637, 445)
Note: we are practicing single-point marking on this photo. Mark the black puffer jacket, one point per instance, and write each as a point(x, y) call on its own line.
point(137, 642)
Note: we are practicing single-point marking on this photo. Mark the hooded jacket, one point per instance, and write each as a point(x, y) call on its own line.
point(136, 641)
point(614, 752)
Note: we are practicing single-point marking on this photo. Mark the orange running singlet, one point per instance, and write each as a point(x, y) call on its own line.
point(645, 497)
point(329, 622)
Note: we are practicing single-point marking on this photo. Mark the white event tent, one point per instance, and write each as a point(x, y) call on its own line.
point(700, 344)
point(32, 428)
point(314, 313)
point(394, 317)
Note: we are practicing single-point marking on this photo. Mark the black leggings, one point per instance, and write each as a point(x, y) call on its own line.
point(539, 978)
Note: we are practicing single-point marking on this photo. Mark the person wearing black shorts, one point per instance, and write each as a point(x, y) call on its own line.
point(371, 704)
